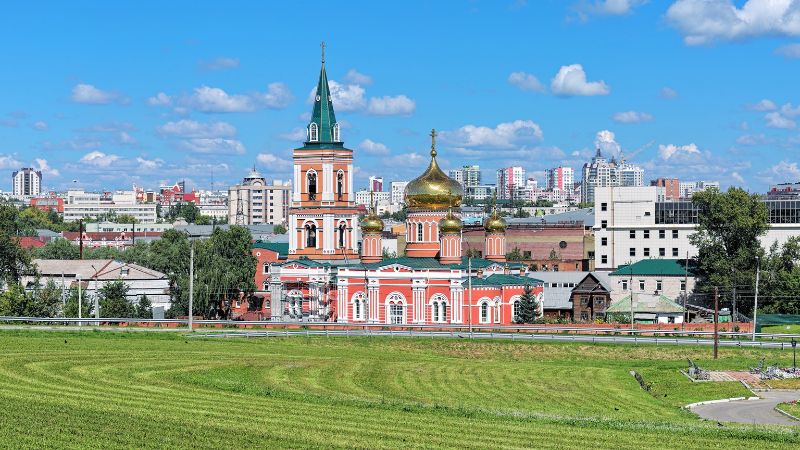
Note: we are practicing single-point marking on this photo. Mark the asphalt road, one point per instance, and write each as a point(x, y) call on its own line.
point(760, 411)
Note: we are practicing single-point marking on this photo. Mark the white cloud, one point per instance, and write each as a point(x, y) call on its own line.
point(373, 148)
point(752, 139)
point(763, 105)
point(220, 63)
point(781, 172)
point(353, 76)
point(149, 164)
point(674, 152)
point(88, 94)
point(707, 21)
point(160, 99)
point(668, 93)
point(193, 129)
point(571, 80)
point(606, 141)
point(776, 120)
point(735, 175)
point(585, 8)
point(99, 159)
point(40, 125)
point(273, 162)
point(632, 117)
point(406, 160)
point(210, 99)
point(788, 110)
point(346, 97)
point(791, 51)
point(504, 135)
point(125, 139)
point(9, 162)
point(277, 96)
point(390, 106)
point(525, 81)
point(214, 145)
point(297, 134)
point(41, 165)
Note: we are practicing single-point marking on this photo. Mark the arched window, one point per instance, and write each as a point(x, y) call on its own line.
point(419, 232)
point(515, 310)
point(311, 235)
point(484, 312)
point(342, 229)
point(395, 308)
point(336, 133)
point(313, 132)
point(443, 311)
point(339, 185)
point(311, 177)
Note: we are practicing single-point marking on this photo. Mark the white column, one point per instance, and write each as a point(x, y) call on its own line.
point(349, 175)
point(298, 183)
point(327, 182)
point(342, 302)
point(374, 300)
point(356, 234)
point(327, 233)
point(292, 233)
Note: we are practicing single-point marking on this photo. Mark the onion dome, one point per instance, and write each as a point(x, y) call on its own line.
point(450, 224)
point(495, 223)
point(433, 189)
point(372, 224)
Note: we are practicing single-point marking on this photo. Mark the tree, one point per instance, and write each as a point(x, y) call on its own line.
point(143, 309)
point(125, 218)
point(514, 255)
point(113, 299)
point(14, 261)
point(729, 225)
point(71, 306)
point(473, 253)
point(57, 249)
point(203, 220)
point(780, 278)
point(279, 229)
point(528, 310)
point(45, 301)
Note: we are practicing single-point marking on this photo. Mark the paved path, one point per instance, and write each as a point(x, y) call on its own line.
point(760, 411)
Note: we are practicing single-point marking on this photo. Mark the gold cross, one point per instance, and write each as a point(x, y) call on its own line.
point(433, 142)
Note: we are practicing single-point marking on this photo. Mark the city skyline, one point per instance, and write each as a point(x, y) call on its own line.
point(186, 100)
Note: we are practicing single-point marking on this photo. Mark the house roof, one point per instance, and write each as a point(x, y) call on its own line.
point(433, 263)
point(30, 242)
point(100, 269)
point(656, 266)
point(281, 248)
point(504, 280)
point(645, 303)
point(560, 278)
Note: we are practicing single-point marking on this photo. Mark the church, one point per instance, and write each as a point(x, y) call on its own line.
point(333, 267)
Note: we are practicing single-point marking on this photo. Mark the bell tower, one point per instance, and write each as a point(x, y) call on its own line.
point(323, 218)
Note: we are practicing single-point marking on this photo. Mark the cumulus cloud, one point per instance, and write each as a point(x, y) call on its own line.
point(40, 125)
point(125, 139)
point(9, 162)
point(90, 95)
point(345, 97)
point(215, 100)
point(777, 120)
point(763, 105)
point(273, 162)
point(407, 160)
point(194, 129)
point(149, 164)
point(353, 76)
point(277, 96)
point(668, 93)
point(390, 106)
point(504, 135)
point(571, 81)
point(213, 146)
point(606, 141)
point(674, 152)
point(736, 177)
point(790, 51)
point(44, 167)
point(373, 148)
point(632, 117)
point(160, 99)
point(752, 139)
point(526, 82)
point(584, 9)
point(297, 134)
point(220, 63)
point(780, 172)
point(708, 21)
point(99, 159)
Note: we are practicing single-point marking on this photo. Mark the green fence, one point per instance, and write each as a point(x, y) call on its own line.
point(776, 319)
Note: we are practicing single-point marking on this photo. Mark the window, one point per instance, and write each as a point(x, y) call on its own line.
point(515, 310)
point(435, 311)
point(675, 252)
point(632, 234)
point(662, 234)
point(359, 306)
point(658, 285)
point(604, 241)
point(674, 234)
point(336, 132)
point(646, 251)
point(266, 285)
point(555, 267)
point(647, 213)
point(603, 206)
point(641, 285)
point(624, 285)
point(342, 229)
point(632, 251)
point(662, 251)
point(313, 132)
point(266, 268)
point(599, 301)
point(603, 224)
point(646, 234)
point(311, 235)
point(395, 313)
point(604, 259)
point(683, 285)
point(526, 254)
point(419, 232)
point(339, 185)
point(311, 177)
point(484, 312)
point(584, 316)
point(584, 300)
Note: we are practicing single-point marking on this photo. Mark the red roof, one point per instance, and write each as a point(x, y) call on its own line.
point(30, 242)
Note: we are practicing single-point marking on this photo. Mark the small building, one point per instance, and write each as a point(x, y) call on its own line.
point(670, 277)
point(647, 308)
point(590, 298)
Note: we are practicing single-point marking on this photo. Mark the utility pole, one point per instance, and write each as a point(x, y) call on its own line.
point(716, 321)
point(733, 282)
point(755, 303)
point(631, 280)
point(80, 237)
point(685, 290)
point(469, 295)
point(191, 284)
point(80, 302)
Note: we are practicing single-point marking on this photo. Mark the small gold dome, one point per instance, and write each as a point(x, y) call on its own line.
point(372, 224)
point(433, 189)
point(450, 224)
point(495, 224)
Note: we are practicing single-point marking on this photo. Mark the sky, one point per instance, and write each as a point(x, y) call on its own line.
point(104, 95)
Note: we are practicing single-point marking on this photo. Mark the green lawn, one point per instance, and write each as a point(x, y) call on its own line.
point(782, 329)
point(159, 390)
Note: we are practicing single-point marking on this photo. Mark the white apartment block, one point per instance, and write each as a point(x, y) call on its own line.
point(510, 182)
point(143, 213)
point(635, 223)
point(382, 199)
point(398, 192)
point(216, 211)
point(687, 188)
point(26, 182)
point(562, 178)
point(479, 192)
point(255, 202)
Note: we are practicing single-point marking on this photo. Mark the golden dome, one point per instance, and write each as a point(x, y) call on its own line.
point(433, 189)
point(495, 224)
point(450, 224)
point(372, 224)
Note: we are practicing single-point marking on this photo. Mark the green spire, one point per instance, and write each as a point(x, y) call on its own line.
point(323, 115)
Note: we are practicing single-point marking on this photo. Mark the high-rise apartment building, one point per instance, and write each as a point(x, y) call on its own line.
point(688, 188)
point(672, 190)
point(601, 172)
point(398, 189)
point(26, 182)
point(561, 178)
point(375, 184)
point(510, 182)
point(467, 175)
point(254, 201)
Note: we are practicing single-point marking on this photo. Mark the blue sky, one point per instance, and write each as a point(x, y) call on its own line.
point(113, 93)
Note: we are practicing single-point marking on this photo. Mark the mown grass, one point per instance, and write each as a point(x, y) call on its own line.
point(782, 329)
point(139, 390)
point(791, 408)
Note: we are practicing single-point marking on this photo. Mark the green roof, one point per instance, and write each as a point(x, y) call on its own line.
point(504, 280)
point(664, 267)
point(323, 115)
point(645, 303)
point(281, 248)
point(433, 263)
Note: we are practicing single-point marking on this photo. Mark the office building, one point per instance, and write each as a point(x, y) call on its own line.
point(26, 182)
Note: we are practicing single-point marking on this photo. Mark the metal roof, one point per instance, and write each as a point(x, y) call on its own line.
point(645, 303)
point(656, 267)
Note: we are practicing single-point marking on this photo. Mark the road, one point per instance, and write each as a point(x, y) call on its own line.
point(760, 411)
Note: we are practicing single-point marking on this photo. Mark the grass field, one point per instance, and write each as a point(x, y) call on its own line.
point(148, 390)
point(782, 329)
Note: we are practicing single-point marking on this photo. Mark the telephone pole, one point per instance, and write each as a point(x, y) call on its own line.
point(755, 305)
point(191, 283)
point(716, 321)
